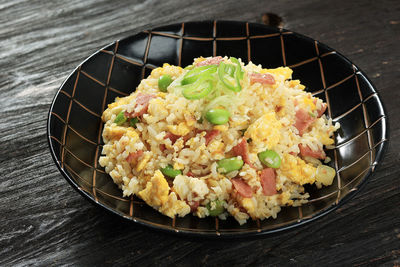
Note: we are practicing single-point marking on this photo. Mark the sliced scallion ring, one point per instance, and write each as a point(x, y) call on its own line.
point(198, 72)
point(201, 88)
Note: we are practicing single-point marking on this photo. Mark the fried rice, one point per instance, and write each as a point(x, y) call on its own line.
point(150, 131)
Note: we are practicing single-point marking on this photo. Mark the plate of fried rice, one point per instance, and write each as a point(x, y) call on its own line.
point(217, 128)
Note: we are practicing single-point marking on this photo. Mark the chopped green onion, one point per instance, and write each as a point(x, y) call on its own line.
point(170, 171)
point(218, 207)
point(189, 67)
point(198, 72)
point(226, 101)
point(120, 119)
point(133, 121)
point(201, 88)
point(225, 77)
point(163, 82)
point(230, 164)
point(230, 70)
point(240, 72)
point(270, 158)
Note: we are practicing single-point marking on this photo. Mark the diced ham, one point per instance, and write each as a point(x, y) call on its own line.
point(134, 155)
point(171, 137)
point(242, 150)
point(163, 147)
point(242, 187)
point(187, 137)
point(210, 61)
point(278, 108)
point(305, 151)
point(210, 136)
point(268, 181)
point(322, 110)
point(193, 205)
point(141, 100)
point(174, 137)
point(303, 120)
point(261, 78)
point(190, 174)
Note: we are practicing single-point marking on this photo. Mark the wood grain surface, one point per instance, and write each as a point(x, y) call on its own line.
point(44, 221)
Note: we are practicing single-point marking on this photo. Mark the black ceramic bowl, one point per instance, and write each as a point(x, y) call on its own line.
point(75, 127)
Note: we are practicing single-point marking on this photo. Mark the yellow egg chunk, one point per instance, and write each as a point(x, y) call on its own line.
point(248, 205)
point(297, 170)
point(309, 102)
point(281, 73)
point(156, 192)
point(115, 132)
point(142, 163)
point(266, 129)
point(181, 129)
point(173, 207)
point(157, 108)
point(221, 128)
point(178, 166)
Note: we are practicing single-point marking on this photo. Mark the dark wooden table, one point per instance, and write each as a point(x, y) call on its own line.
point(44, 221)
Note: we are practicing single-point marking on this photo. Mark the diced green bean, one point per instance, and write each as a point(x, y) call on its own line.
point(120, 119)
point(230, 164)
point(170, 171)
point(218, 207)
point(218, 116)
point(163, 82)
point(270, 158)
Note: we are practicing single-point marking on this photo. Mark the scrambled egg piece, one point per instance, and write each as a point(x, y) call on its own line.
point(156, 108)
point(282, 73)
point(178, 166)
point(265, 129)
point(142, 163)
point(116, 132)
point(221, 128)
point(181, 129)
point(161, 94)
point(174, 206)
point(132, 134)
point(285, 198)
point(248, 204)
point(324, 138)
point(198, 60)
point(310, 103)
point(113, 107)
point(216, 147)
point(156, 192)
point(294, 83)
point(166, 69)
point(297, 170)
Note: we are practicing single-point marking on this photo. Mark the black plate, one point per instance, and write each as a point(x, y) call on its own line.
point(74, 124)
